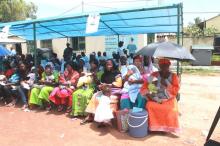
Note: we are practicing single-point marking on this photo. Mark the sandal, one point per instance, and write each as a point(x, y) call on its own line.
point(60, 108)
point(85, 121)
point(88, 119)
point(48, 108)
point(69, 109)
point(11, 104)
point(25, 106)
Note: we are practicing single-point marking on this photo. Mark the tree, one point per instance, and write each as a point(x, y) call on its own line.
point(13, 10)
point(194, 30)
point(197, 20)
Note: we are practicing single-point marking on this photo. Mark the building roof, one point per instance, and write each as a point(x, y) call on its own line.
point(202, 47)
point(213, 18)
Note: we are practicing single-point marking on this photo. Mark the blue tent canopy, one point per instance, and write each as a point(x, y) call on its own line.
point(137, 21)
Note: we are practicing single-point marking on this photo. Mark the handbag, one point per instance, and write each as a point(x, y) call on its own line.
point(210, 142)
point(121, 120)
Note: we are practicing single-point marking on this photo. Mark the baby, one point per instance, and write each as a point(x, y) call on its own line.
point(30, 82)
point(103, 113)
point(158, 92)
point(132, 89)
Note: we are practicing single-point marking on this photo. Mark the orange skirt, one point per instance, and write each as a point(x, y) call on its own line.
point(163, 117)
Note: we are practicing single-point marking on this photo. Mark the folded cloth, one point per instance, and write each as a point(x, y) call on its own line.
point(38, 86)
point(136, 110)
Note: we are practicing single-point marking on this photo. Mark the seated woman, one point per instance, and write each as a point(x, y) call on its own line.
point(9, 87)
point(112, 78)
point(9, 71)
point(162, 103)
point(40, 93)
point(86, 87)
point(133, 79)
point(62, 95)
point(25, 85)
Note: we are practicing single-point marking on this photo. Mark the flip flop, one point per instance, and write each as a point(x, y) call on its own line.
point(49, 107)
point(69, 109)
point(60, 108)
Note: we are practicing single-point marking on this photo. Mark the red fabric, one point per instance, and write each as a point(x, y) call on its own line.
point(164, 61)
point(61, 96)
point(163, 117)
point(72, 76)
point(8, 73)
point(64, 96)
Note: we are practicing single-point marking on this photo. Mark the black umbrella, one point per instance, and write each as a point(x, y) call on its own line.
point(167, 50)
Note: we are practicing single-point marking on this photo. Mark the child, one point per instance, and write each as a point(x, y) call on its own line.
point(30, 82)
point(157, 91)
point(132, 89)
point(103, 113)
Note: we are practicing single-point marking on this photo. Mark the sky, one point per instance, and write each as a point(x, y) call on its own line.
point(50, 8)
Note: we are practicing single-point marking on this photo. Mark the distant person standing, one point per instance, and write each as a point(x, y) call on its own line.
point(131, 46)
point(86, 60)
point(13, 51)
point(105, 55)
point(120, 48)
point(68, 52)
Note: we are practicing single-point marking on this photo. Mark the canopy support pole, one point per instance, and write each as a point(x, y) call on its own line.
point(109, 27)
point(35, 51)
point(178, 37)
point(118, 38)
point(181, 71)
point(53, 30)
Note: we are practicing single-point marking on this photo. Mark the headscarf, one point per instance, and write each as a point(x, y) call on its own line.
point(109, 77)
point(164, 61)
point(51, 65)
point(138, 57)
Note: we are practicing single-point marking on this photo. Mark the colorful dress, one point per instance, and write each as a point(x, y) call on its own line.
point(130, 96)
point(108, 78)
point(41, 93)
point(82, 96)
point(164, 116)
point(63, 94)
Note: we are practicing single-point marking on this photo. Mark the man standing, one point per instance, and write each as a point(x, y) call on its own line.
point(131, 46)
point(120, 48)
point(68, 52)
point(13, 51)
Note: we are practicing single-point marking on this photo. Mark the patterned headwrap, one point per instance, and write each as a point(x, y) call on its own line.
point(164, 61)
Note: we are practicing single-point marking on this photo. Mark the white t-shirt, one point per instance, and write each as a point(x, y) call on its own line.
point(120, 51)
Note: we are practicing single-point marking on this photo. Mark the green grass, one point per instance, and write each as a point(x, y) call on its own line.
point(201, 72)
point(215, 57)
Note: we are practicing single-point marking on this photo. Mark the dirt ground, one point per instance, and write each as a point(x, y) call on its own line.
point(200, 99)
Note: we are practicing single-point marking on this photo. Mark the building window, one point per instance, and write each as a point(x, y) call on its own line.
point(78, 43)
point(46, 44)
point(150, 38)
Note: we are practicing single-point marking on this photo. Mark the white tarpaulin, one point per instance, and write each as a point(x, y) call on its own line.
point(92, 23)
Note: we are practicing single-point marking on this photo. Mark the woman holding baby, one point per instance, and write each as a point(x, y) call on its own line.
point(161, 89)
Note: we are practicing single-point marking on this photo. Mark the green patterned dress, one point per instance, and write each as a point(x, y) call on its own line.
point(38, 95)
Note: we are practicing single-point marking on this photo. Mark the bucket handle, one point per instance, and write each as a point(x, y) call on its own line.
point(137, 125)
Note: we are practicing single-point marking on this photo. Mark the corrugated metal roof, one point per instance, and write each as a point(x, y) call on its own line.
point(202, 47)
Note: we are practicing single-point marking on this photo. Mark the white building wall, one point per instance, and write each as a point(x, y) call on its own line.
point(93, 44)
point(58, 46)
